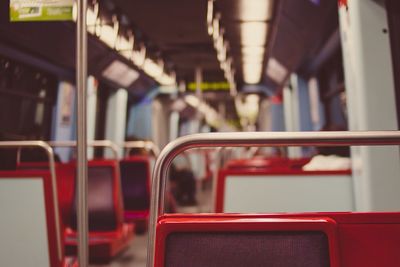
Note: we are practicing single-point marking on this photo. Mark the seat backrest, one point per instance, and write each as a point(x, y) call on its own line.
point(218, 241)
point(284, 240)
point(28, 224)
point(283, 190)
point(104, 197)
point(135, 180)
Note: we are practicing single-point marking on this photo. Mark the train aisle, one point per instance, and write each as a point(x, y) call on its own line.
point(134, 256)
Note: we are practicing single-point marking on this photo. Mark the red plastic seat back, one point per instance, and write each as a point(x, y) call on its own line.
point(30, 182)
point(284, 240)
point(104, 197)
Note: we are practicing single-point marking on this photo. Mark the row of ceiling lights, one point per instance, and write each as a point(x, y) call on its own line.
point(112, 35)
point(254, 16)
point(221, 45)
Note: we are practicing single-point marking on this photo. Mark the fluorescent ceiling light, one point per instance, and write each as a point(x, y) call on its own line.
point(166, 79)
point(252, 59)
point(108, 35)
point(192, 100)
point(276, 71)
point(253, 50)
point(210, 13)
point(252, 73)
point(124, 43)
point(91, 19)
point(215, 26)
point(152, 68)
point(253, 33)
point(168, 89)
point(139, 56)
point(255, 10)
point(120, 73)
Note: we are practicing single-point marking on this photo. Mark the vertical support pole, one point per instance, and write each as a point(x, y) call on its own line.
point(91, 113)
point(291, 125)
point(199, 79)
point(371, 102)
point(81, 81)
point(301, 109)
point(198, 73)
point(116, 119)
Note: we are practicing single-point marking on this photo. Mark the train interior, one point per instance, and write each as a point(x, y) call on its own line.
point(217, 133)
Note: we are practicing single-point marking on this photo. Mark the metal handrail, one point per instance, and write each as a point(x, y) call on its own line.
point(50, 154)
point(95, 143)
point(148, 145)
point(248, 139)
point(81, 62)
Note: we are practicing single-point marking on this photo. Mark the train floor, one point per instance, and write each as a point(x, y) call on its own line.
point(135, 255)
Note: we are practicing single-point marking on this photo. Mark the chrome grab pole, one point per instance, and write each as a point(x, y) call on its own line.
point(148, 145)
point(248, 139)
point(82, 183)
point(50, 155)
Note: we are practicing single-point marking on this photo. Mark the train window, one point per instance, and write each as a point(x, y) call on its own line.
point(31, 92)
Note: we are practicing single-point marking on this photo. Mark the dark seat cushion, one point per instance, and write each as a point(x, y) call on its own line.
point(224, 249)
point(134, 179)
point(101, 206)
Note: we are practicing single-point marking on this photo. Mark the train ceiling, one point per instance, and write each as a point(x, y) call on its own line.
point(176, 31)
point(297, 32)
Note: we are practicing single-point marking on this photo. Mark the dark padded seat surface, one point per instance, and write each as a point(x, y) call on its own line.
point(278, 249)
point(135, 185)
point(102, 213)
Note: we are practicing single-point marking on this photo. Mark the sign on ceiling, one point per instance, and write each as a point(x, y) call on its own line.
point(209, 86)
point(41, 10)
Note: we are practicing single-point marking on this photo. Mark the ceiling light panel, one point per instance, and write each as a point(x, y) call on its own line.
point(253, 33)
point(252, 73)
point(255, 10)
point(120, 73)
point(253, 51)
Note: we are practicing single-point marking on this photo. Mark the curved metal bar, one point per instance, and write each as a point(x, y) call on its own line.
point(148, 145)
point(248, 139)
point(94, 143)
point(50, 155)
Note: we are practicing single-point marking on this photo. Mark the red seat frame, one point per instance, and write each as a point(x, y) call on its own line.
point(139, 216)
point(45, 176)
point(103, 246)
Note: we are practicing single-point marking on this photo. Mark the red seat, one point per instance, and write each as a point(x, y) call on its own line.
point(55, 249)
point(135, 179)
point(259, 175)
point(312, 240)
point(108, 234)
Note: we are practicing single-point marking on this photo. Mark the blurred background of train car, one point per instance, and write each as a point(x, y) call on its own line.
point(159, 70)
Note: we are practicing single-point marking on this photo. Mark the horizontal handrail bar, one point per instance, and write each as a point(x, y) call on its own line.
point(93, 143)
